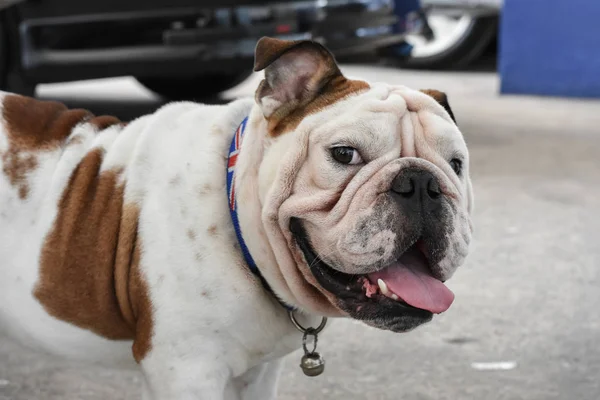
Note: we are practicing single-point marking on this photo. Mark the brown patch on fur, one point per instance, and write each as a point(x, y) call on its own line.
point(76, 273)
point(130, 286)
point(89, 269)
point(212, 230)
point(335, 90)
point(441, 98)
point(142, 309)
point(125, 257)
point(33, 125)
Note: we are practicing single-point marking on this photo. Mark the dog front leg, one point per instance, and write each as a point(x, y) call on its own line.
point(187, 380)
point(260, 383)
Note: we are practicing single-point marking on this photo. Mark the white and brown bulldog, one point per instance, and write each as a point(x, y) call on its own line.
point(117, 243)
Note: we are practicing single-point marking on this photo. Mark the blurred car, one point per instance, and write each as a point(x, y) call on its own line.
point(177, 48)
point(450, 34)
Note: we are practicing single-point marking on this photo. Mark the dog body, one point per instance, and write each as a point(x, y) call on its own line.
point(116, 240)
point(64, 293)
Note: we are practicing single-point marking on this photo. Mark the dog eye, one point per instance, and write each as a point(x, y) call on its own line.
point(346, 155)
point(456, 165)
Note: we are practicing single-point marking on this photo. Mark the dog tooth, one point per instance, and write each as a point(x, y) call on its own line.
point(382, 286)
point(394, 296)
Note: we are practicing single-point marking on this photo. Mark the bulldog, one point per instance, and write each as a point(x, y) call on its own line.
point(182, 242)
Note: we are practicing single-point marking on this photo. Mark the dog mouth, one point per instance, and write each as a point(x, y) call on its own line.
point(398, 297)
point(409, 280)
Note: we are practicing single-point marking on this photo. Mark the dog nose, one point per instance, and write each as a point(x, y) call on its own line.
point(418, 188)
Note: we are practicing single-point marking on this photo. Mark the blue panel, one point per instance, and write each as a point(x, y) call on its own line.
point(551, 47)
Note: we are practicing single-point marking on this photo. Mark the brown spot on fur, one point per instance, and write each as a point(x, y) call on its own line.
point(16, 165)
point(175, 180)
point(217, 130)
point(23, 191)
point(191, 234)
point(212, 230)
point(335, 90)
point(205, 189)
point(90, 272)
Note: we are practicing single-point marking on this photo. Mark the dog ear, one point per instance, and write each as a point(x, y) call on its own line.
point(441, 98)
point(295, 72)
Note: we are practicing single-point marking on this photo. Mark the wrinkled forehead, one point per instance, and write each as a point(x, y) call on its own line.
point(383, 115)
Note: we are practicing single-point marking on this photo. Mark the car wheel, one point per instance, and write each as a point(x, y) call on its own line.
point(458, 41)
point(200, 87)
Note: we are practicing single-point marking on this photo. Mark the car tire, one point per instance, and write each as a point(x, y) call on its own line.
point(201, 87)
point(465, 49)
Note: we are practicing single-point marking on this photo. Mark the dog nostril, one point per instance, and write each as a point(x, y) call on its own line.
point(433, 189)
point(405, 187)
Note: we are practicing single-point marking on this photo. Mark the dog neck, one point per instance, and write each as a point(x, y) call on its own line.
point(234, 151)
point(266, 241)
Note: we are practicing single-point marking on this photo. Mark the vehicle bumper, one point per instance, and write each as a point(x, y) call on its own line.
point(195, 42)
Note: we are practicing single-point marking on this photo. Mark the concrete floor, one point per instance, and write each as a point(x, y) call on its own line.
point(525, 324)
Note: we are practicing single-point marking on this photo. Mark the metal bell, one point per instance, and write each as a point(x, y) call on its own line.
point(312, 364)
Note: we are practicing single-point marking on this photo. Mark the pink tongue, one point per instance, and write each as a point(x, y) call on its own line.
point(411, 280)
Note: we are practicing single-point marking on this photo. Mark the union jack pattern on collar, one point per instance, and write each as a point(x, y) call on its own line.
point(234, 151)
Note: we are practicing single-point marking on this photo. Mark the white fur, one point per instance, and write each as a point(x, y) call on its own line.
point(196, 352)
point(227, 345)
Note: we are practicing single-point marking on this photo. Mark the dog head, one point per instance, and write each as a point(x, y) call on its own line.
point(355, 197)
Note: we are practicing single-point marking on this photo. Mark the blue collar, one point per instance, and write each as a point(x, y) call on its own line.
point(234, 150)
